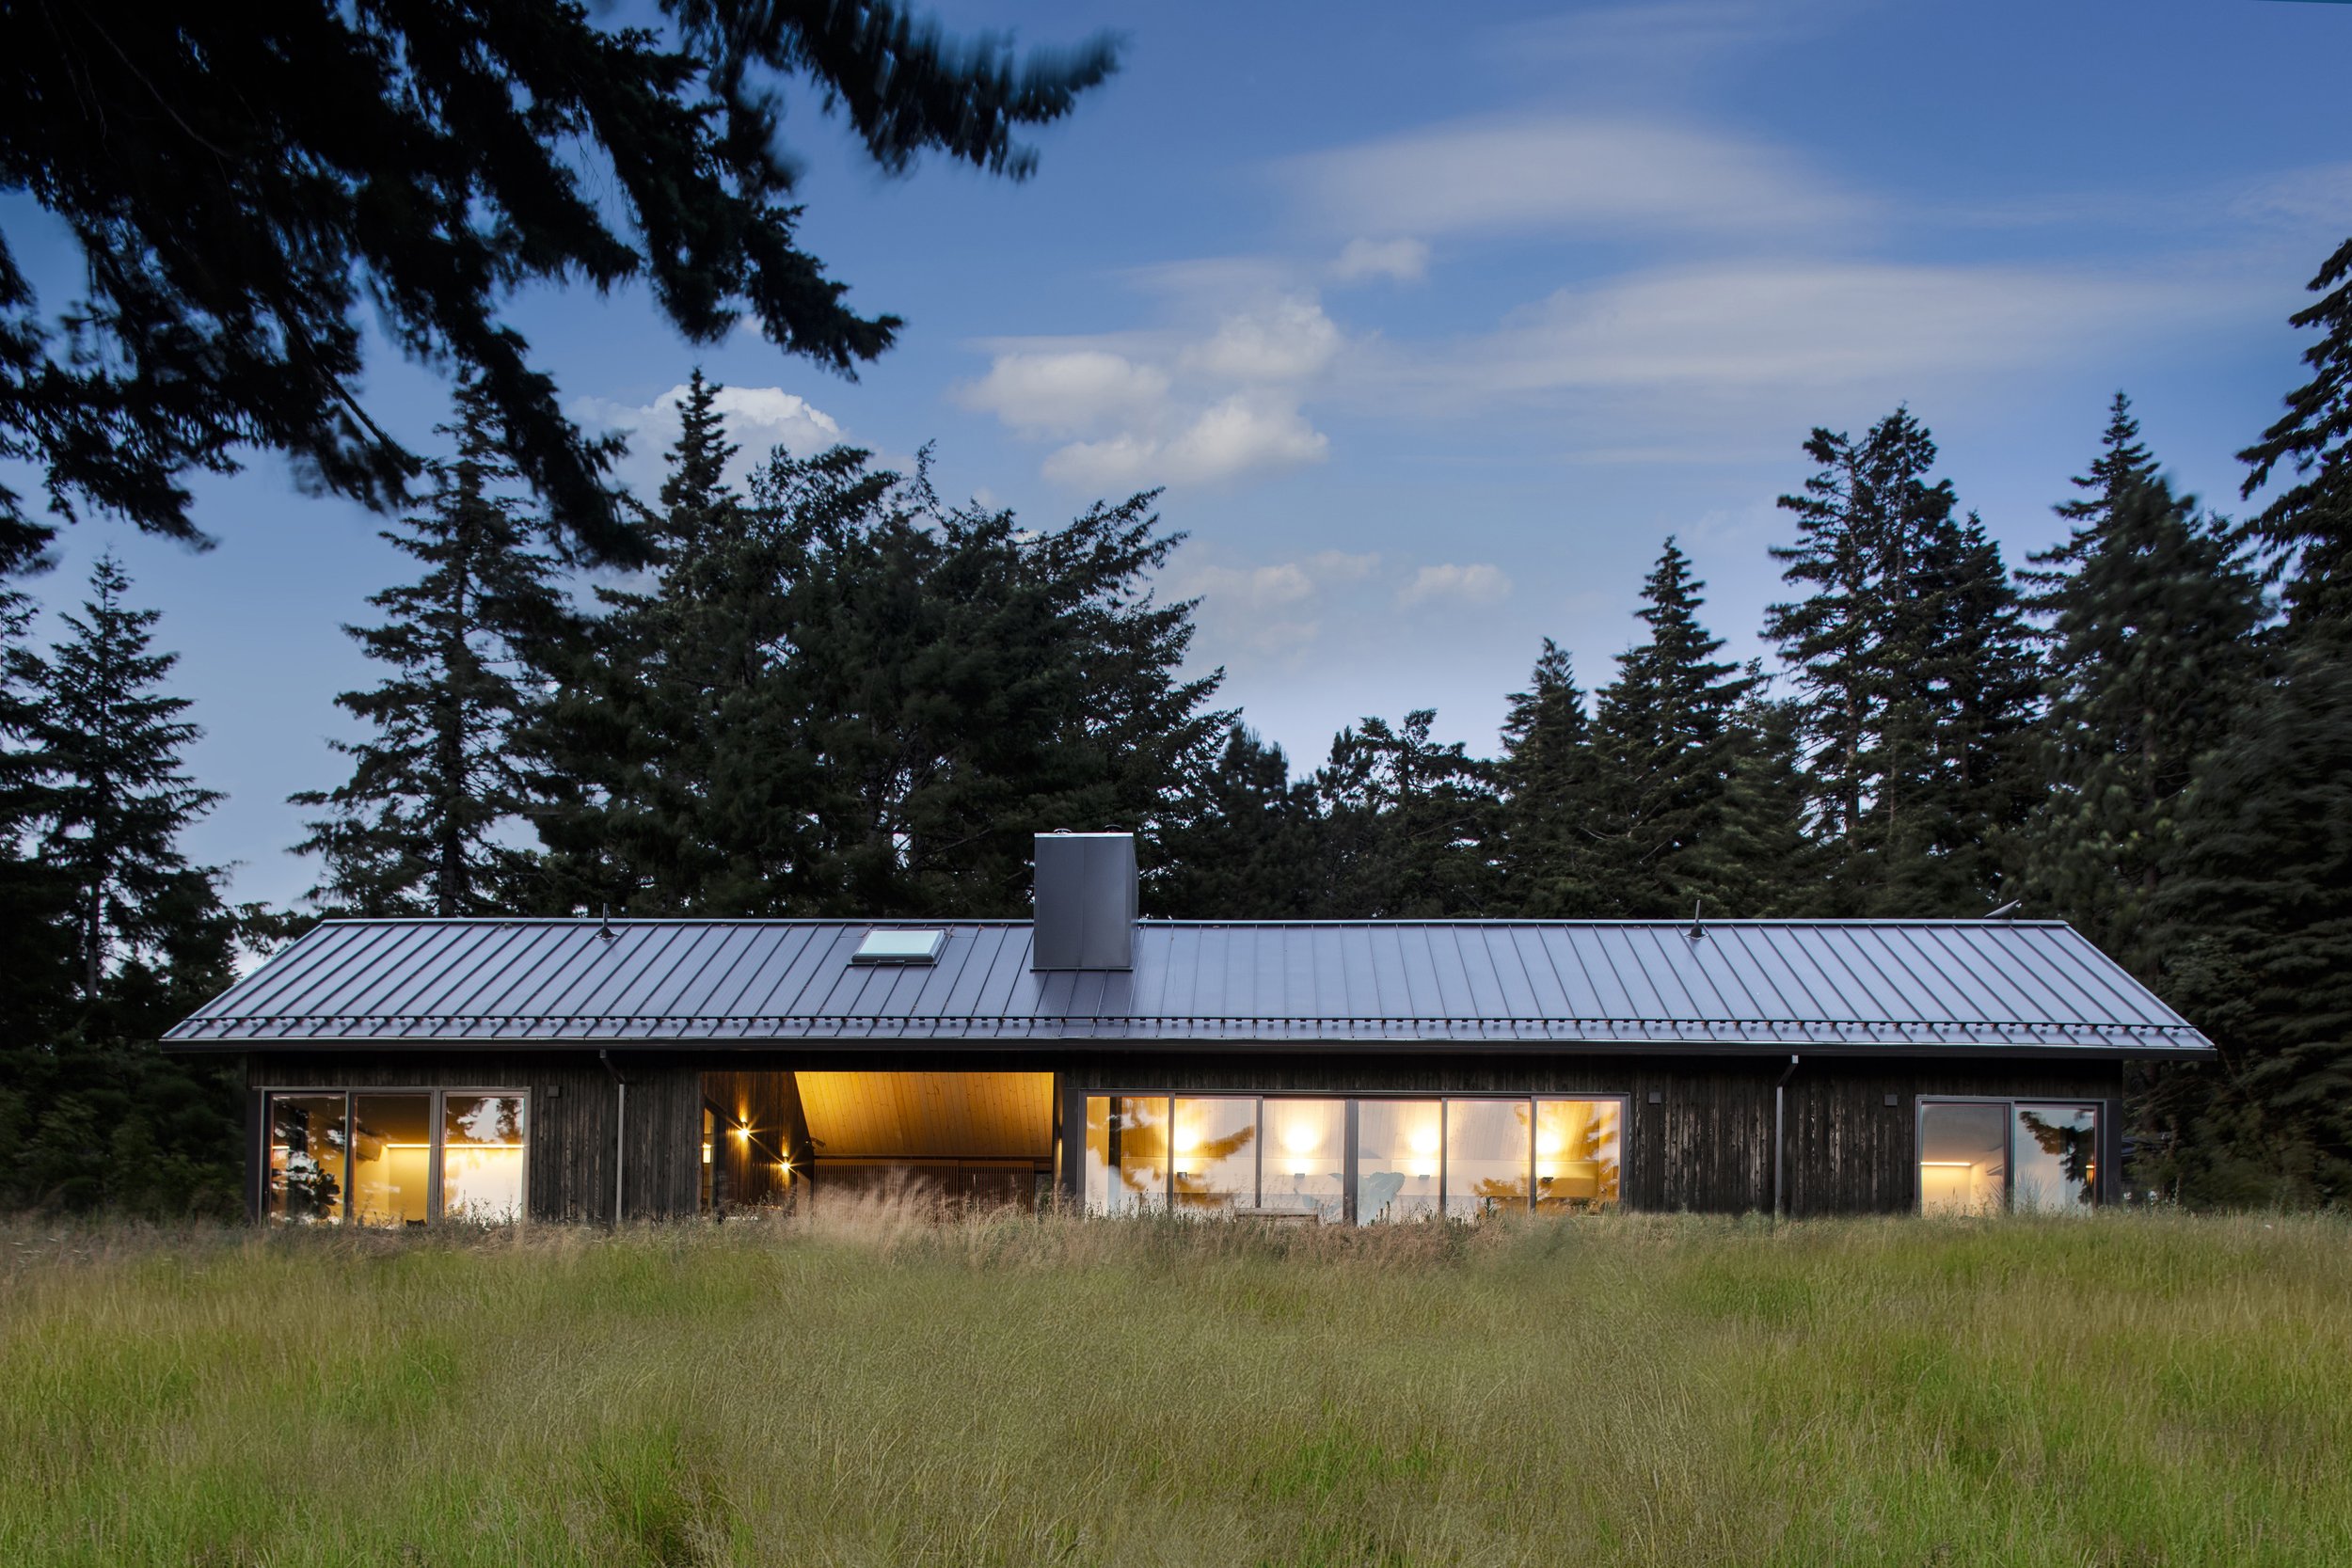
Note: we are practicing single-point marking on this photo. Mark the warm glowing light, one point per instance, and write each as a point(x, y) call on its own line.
point(1425, 1140)
point(1424, 1168)
point(742, 1132)
point(1548, 1142)
point(1951, 1165)
point(1187, 1139)
point(1302, 1137)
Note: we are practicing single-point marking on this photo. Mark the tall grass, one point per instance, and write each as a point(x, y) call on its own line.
point(865, 1387)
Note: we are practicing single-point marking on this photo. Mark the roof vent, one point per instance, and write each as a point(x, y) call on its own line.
point(1085, 902)
point(896, 944)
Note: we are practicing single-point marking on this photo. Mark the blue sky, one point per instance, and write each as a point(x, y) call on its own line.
point(1436, 322)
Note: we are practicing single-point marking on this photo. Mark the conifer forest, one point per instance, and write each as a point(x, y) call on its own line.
point(833, 693)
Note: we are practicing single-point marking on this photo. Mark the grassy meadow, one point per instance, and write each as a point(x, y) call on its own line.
point(870, 1388)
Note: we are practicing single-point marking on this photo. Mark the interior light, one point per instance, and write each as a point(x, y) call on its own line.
point(1425, 1140)
point(1547, 1143)
point(1302, 1137)
point(1424, 1168)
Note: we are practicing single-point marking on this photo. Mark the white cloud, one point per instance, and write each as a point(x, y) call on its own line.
point(1405, 261)
point(1246, 433)
point(1288, 340)
point(1474, 584)
point(1592, 175)
point(1065, 393)
point(1772, 327)
point(757, 419)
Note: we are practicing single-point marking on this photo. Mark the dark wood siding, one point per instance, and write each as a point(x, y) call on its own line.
point(573, 1104)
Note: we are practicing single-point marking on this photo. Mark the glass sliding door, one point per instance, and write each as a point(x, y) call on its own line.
point(481, 1157)
point(1980, 1155)
point(1488, 1152)
point(1399, 1146)
point(1305, 1156)
point(1575, 1153)
point(1216, 1154)
point(2055, 1167)
point(309, 1169)
point(391, 1157)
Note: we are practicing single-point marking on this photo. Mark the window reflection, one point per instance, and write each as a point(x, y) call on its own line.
point(1216, 1153)
point(1486, 1152)
point(1399, 1145)
point(1135, 1155)
point(307, 1158)
point(2057, 1159)
point(1964, 1165)
point(391, 1157)
point(1575, 1153)
point(481, 1157)
point(1305, 1156)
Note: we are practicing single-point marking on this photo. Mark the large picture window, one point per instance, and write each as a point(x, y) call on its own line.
point(396, 1157)
point(1364, 1161)
point(1980, 1156)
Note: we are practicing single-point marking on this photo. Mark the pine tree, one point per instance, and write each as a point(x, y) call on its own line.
point(2308, 527)
point(1549, 778)
point(2254, 926)
point(250, 189)
point(1666, 738)
point(2152, 655)
point(424, 824)
point(1915, 675)
point(1408, 824)
point(121, 796)
point(1250, 849)
point(2122, 466)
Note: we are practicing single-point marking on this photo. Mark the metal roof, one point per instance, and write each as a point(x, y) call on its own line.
point(1738, 986)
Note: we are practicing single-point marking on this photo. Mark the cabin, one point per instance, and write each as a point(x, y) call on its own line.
point(408, 1072)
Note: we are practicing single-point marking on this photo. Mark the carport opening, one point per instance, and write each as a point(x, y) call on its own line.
point(968, 1137)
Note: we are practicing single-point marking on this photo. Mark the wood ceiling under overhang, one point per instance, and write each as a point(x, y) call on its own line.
point(929, 1116)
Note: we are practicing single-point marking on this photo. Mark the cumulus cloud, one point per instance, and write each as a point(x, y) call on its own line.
point(1474, 584)
point(1403, 260)
point(1066, 393)
point(1245, 433)
point(1592, 175)
point(1288, 340)
point(1204, 407)
point(759, 420)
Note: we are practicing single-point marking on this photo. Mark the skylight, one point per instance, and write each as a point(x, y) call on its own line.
point(899, 945)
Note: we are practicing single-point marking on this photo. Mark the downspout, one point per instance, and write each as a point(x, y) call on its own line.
point(1780, 1095)
point(620, 1131)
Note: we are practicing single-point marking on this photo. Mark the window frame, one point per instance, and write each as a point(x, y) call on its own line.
point(1350, 1100)
point(437, 1094)
point(2103, 1138)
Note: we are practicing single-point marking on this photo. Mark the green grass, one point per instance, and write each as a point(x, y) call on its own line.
point(872, 1389)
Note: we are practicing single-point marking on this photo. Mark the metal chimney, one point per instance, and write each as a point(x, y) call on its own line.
point(1085, 902)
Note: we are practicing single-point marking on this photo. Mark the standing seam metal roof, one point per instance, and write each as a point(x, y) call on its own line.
point(1765, 985)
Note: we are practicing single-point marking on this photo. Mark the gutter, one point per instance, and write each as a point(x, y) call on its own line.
point(620, 1131)
point(1780, 1095)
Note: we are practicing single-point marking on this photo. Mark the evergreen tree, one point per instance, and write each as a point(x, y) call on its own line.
point(1550, 777)
point(2254, 926)
point(249, 187)
point(2152, 655)
point(121, 796)
point(1667, 742)
point(423, 824)
point(1915, 676)
point(2122, 466)
point(840, 697)
point(1250, 847)
point(1408, 824)
point(2308, 527)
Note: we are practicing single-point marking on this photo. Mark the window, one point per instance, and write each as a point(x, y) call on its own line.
point(1364, 1161)
point(396, 1157)
point(1399, 1144)
point(900, 946)
point(1977, 1156)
